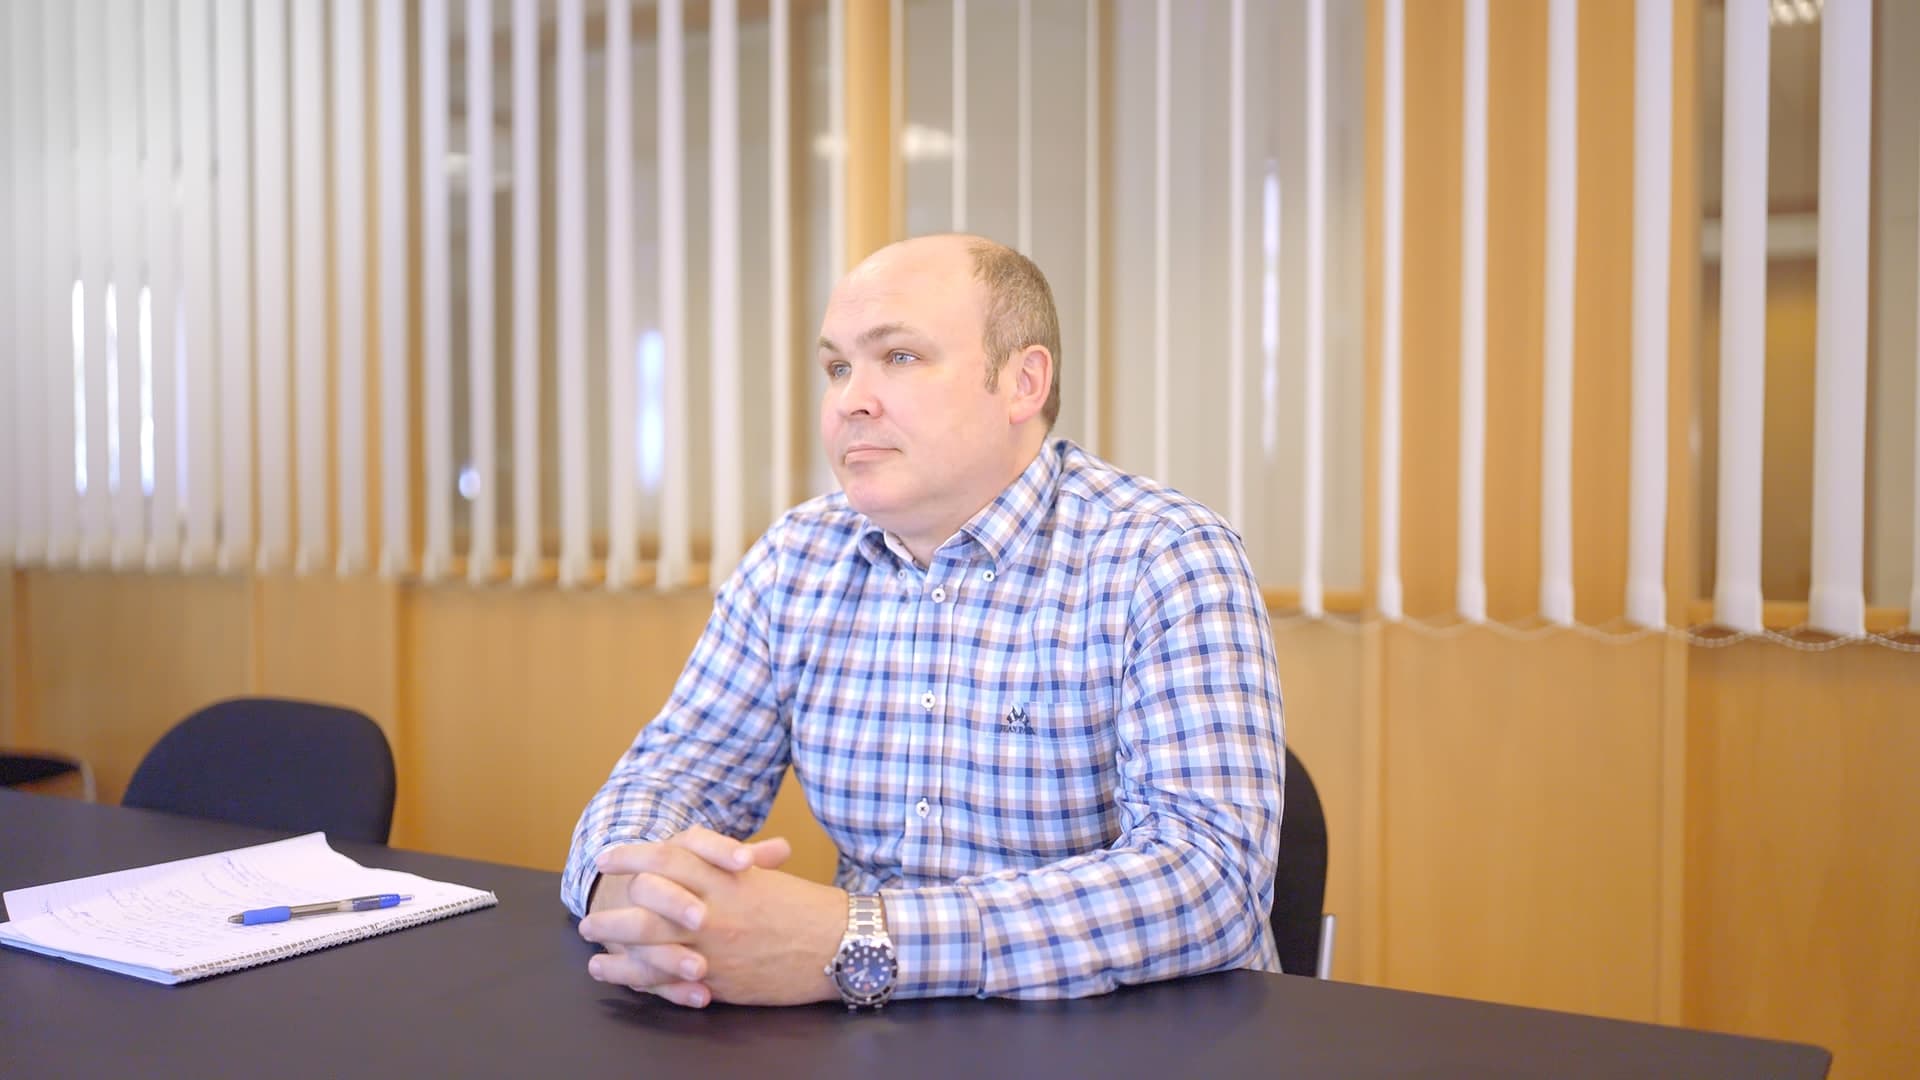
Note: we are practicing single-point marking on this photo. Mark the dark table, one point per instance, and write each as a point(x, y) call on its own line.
point(504, 992)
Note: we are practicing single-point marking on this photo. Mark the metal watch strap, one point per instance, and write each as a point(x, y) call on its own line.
point(865, 944)
point(866, 916)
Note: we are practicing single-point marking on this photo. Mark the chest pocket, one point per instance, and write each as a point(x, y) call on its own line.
point(1042, 776)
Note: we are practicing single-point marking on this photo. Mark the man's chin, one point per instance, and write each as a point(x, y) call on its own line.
point(870, 498)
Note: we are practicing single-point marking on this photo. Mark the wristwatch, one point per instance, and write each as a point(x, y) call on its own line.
point(866, 967)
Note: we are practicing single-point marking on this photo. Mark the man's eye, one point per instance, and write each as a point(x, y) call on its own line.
point(898, 357)
point(837, 370)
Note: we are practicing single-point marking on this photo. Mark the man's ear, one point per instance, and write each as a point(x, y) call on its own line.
point(1032, 382)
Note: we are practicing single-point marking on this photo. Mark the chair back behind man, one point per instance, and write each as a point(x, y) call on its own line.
point(1300, 878)
point(300, 766)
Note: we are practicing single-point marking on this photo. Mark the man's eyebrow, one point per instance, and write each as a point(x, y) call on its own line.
point(867, 337)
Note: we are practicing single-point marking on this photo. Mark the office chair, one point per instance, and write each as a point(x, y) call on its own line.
point(275, 764)
point(1301, 928)
point(44, 772)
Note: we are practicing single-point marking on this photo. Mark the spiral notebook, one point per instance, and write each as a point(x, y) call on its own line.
point(167, 923)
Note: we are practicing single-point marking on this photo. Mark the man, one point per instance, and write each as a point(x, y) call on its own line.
point(1032, 699)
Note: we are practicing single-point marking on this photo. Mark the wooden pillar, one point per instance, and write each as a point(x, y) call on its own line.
point(875, 208)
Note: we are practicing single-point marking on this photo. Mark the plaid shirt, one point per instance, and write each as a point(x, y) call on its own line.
point(1056, 752)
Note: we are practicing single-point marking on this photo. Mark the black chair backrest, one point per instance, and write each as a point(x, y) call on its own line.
point(1300, 879)
point(275, 764)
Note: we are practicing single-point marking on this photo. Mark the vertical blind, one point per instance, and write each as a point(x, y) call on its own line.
point(347, 286)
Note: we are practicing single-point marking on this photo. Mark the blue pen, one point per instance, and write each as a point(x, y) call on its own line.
point(294, 911)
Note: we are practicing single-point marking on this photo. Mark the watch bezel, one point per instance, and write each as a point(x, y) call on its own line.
point(851, 947)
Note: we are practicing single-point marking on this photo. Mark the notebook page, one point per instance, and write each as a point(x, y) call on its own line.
point(40, 899)
point(177, 920)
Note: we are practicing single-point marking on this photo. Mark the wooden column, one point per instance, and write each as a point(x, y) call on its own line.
point(875, 208)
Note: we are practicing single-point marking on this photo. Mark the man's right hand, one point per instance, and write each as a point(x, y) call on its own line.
point(655, 958)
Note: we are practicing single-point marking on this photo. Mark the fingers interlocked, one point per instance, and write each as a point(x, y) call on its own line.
point(659, 901)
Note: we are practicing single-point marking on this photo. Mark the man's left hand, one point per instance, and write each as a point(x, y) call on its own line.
point(766, 935)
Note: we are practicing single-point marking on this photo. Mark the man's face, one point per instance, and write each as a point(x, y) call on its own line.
point(915, 438)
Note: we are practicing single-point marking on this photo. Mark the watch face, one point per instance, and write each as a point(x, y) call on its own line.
point(866, 969)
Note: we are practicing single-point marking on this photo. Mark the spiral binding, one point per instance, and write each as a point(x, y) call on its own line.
point(339, 937)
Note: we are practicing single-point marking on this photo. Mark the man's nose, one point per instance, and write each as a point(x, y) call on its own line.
point(856, 395)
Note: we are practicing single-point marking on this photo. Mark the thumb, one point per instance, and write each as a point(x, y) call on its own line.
point(769, 854)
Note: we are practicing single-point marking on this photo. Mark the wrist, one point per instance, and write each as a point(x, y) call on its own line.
point(865, 969)
point(607, 891)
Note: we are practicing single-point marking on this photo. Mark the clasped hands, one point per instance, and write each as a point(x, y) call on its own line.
point(702, 917)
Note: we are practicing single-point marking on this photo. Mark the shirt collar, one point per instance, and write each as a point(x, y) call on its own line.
point(1001, 526)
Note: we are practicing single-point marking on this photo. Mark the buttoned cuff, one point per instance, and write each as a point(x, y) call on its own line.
point(936, 934)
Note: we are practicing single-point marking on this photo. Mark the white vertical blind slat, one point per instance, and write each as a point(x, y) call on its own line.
point(623, 522)
point(780, 114)
point(1913, 594)
point(35, 345)
point(271, 299)
point(232, 98)
point(1091, 361)
point(1556, 414)
point(127, 259)
point(526, 290)
point(1023, 122)
point(198, 332)
point(1646, 600)
point(436, 390)
point(58, 180)
point(13, 308)
point(1470, 596)
point(390, 85)
point(350, 277)
point(1313, 488)
point(727, 397)
point(482, 542)
point(960, 146)
point(311, 323)
point(1737, 602)
point(167, 378)
point(1162, 239)
point(676, 525)
point(1236, 243)
point(570, 265)
point(1387, 584)
point(1837, 603)
point(93, 167)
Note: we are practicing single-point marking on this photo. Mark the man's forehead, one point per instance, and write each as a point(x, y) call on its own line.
point(862, 305)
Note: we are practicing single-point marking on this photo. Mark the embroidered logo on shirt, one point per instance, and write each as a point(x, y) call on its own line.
point(1016, 722)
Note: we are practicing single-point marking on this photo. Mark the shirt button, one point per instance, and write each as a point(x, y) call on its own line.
point(927, 699)
point(923, 808)
point(939, 595)
point(901, 573)
point(988, 576)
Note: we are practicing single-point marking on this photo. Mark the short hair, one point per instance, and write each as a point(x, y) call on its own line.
point(1020, 313)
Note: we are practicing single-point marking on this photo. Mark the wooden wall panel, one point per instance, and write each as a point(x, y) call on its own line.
point(327, 639)
point(113, 661)
point(1522, 794)
point(14, 712)
point(1803, 915)
point(517, 705)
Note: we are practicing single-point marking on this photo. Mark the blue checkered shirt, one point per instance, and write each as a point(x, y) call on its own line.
point(1055, 752)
